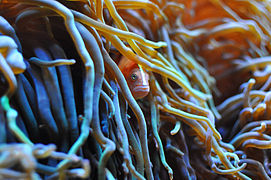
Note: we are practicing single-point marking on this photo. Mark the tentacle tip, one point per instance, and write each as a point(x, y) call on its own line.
point(162, 44)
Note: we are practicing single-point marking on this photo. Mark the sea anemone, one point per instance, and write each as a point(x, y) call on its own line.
point(67, 110)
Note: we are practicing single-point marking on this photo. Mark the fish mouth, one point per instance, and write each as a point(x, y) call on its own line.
point(141, 89)
point(140, 92)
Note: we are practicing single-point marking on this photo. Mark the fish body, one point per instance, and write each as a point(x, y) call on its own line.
point(136, 77)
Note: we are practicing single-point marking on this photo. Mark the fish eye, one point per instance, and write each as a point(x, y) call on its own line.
point(134, 77)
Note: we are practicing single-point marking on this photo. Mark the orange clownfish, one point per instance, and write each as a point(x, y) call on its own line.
point(136, 77)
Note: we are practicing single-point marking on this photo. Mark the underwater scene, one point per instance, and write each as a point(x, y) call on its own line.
point(135, 89)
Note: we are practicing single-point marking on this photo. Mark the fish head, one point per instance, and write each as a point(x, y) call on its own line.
point(138, 81)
